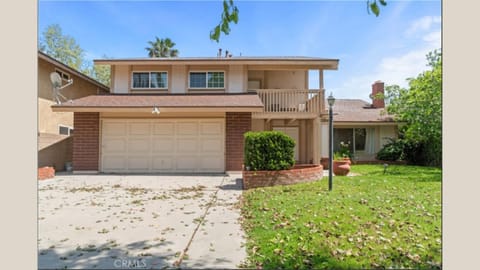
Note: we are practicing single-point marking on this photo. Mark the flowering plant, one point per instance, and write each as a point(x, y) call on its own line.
point(344, 151)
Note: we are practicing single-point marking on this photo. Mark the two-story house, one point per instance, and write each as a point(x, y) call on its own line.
point(55, 128)
point(189, 114)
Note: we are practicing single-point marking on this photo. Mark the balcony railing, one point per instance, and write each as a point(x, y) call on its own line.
point(290, 103)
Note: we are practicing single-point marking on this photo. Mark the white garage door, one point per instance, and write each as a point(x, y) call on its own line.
point(186, 145)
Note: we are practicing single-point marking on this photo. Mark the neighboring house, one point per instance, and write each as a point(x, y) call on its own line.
point(181, 115)
point(365, 126)
point(54, 128)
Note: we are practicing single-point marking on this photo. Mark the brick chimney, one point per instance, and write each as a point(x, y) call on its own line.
point(378, 87)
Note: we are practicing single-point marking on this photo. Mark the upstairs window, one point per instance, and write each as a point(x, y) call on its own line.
point(149, 80)
point(65, 76)
point(207, 80)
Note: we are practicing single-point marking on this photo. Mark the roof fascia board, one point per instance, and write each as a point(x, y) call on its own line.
point(61, 65)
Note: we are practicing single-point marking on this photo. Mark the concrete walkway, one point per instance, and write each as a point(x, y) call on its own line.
point(139, 221)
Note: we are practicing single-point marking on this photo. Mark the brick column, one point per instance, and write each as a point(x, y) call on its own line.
point(236, 125)
point(86, 141)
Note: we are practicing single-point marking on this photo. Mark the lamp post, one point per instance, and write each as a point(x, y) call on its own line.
point(331, 101)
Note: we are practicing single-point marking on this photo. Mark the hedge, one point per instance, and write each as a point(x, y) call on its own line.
point(268, 151)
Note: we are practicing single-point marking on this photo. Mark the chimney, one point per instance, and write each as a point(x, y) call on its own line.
point(378, 88)
point(219, 52)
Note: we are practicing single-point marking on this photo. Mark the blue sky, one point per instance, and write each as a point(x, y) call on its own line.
point(391, 47)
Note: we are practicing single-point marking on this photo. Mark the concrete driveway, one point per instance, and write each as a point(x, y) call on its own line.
point(139, 222)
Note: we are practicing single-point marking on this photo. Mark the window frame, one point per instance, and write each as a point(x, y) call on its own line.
point(69, 128)
point(354, 150)
point(149, 80)
point(64, 75)
point(206, 79)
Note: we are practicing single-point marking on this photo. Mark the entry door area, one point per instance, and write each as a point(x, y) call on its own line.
point(294, 134)
point(163, 145)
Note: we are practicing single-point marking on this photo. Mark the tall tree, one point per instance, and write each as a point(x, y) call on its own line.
point(66, 50)
point(161, 48)
point(420, 106)
point(230, 15)
point(100, 73)
point(62, 47)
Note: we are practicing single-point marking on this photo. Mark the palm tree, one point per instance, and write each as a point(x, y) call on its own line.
point(161, 48)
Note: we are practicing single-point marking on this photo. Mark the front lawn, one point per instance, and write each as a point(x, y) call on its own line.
point(371, 220)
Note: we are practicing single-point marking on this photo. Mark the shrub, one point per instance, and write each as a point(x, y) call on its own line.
point(268, 150)
point(392, 151)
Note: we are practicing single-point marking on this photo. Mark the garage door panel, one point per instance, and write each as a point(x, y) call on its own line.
point(187, 145)
point(137, 129)
point(187, 128)
point(115, 145)
point(163, 145)
point(139, 146)
point(211, 128)
point(114, 163)
point(163, 163)
point(164, 128)
point(114, 129)
point(138, 163)
point(211, 163)
point(186, 163)
point(211, 145)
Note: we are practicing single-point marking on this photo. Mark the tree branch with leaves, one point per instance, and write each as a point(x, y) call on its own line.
point(231, 11)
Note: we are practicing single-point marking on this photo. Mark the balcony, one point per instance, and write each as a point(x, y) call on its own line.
point(290, 103)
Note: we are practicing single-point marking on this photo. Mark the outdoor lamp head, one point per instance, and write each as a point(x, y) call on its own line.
point(331, 100)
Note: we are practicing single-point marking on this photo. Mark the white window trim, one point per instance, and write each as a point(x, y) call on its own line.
point(62, 73)
point(206, 78)
point(149, 72)
point(65, 126)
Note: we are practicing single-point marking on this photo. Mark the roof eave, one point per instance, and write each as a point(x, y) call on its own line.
point(314, 62)
point(61, 65)
point(148, 109)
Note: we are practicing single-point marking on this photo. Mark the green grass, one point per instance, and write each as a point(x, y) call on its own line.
point(372, 220)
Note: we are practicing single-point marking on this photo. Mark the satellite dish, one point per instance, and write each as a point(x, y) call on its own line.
point(55, 79)
point(57, 86)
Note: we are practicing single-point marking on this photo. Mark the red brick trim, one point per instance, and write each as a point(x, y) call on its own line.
point(237, 123)
point(86, 141)
point(299, 174)
point(46, 173)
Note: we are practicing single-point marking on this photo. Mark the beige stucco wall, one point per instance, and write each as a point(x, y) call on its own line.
point(387, 132)
point(120, 79)
point(258, 124)
point(324, 139)
point(282, 79)
point(236, 77)
point(257, 75)
point(48, 120)
point(178, 79)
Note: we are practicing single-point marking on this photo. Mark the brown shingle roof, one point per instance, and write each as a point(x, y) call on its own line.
point(357, 110)
point(165, 101)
